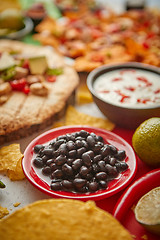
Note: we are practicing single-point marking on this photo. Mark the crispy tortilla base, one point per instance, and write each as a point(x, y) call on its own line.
point(61, 219)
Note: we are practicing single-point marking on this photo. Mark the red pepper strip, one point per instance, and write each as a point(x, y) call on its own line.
point(157, 91)
point(132, 89)
point(122, 95)
point(145, 45)
point(18, 85)
point(116, 79)
point(25, 64)
point(143, 79)
point(143, 100)
point(127, 70)
point(51, 78)
point(26, 89)
point(104, 91)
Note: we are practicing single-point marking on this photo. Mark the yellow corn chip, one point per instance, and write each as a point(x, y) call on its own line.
point(3, 212)
point(83, 95)
point(58, 124)
point(10, 161)
point(73, 117)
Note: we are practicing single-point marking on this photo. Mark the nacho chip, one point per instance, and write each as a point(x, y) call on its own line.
point(73, 117)
point(83, 95)
point(61, 219)
point(10, 162)
point(3, 211)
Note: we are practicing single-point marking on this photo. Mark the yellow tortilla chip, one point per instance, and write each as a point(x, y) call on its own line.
point(62, 219)
point(3, 212)
point(73, 117)
point(83, 95)
point(10, 161)
point(58, 124)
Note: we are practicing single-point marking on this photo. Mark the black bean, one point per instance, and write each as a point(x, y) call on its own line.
point(53, 167)
point(83, 133)
point(79, 182)
point(111, 171)
point(67, 169)
point(38, 147)
point(69, 161)
point(123, 166)
point(78, 143)
point(95, 168)
point(56, 186)
point(91, 141)
point(90, 153)
point(76, 164)
point(103, 184)
point(105, 150)
point(86, 159)
point(97, 147)
point(80, 138)
point(57, 174)
point(112, 161)
point(121, 154)
point(113, 149)
point(84, 144)
point(72, 153)
point(101, 175)
point(80, 151)
point(92, 134)
point(107, 159)
point(93, 186)
point(67, 184)
point(71, 145)
point(84, 171)
point(102, 165)
point(99, 138)
point(48, 151)
point(63, 149)
point(58, 143)
point(97, 158)
point(60, 160)
point(89, 176)
point(49, 161)
point(38, 162)
point(46, 170)
point(45, 158)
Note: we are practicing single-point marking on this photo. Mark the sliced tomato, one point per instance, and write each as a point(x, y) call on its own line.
point(51, 78)
point(19, 84)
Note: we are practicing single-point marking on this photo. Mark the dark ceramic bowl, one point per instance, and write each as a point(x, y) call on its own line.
point(28, 27)
point(124, 116)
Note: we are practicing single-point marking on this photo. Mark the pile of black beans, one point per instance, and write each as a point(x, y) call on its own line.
point(79, 162)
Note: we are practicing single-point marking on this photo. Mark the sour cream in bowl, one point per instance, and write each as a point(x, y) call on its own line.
point(127, 94)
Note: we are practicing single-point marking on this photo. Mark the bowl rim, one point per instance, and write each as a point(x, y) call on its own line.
point(28, 27)
point(111, 67)
point(35, 180)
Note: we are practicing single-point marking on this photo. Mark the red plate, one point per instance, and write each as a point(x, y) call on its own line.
point(114, 186)
point(123, 209)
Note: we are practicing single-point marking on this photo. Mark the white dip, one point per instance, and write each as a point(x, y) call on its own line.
point(129, 87)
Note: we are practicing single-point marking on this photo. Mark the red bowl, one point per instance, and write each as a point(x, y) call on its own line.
point(114, 186)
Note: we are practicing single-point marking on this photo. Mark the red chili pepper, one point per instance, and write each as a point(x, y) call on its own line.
point(26, 89)
point(143, 100)
point(132, 89)
point(157, 91)
point(145, 80)
point(122, 95)
point(104, 91)
point(51, 78)
point(127, 70)
point(25, 64)
point(19, 84)
point(145, 45)
point(116, 79)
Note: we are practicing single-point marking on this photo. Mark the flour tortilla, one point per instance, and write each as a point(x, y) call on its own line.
point(24, 114)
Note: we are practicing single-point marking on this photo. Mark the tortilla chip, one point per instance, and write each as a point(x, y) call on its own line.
point(83, 95)
point(61, 219)
point(3, 212)
point(73, 117)
point(10, 161)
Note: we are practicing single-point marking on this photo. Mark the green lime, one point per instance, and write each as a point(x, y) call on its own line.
point(147, 211)
point(146, 141)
